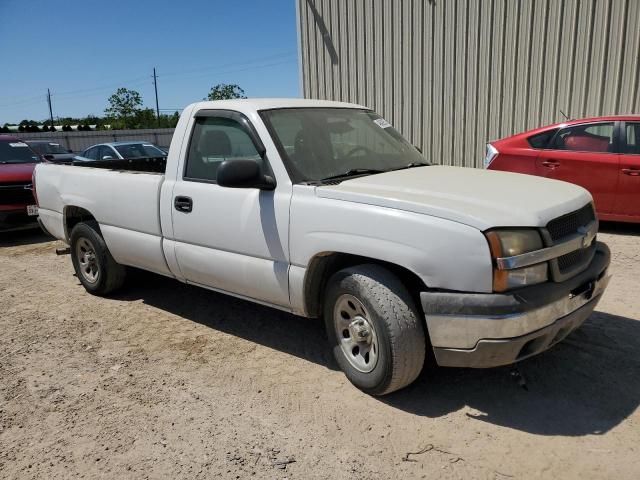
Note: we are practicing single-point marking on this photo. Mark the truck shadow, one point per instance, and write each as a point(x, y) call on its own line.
point(586, 385)
point(620, 228)
point(24, 237)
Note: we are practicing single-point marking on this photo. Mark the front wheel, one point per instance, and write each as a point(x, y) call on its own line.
point(96, 269)
point(374, 329)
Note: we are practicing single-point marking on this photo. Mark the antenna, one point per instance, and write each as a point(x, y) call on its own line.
point(566, 117)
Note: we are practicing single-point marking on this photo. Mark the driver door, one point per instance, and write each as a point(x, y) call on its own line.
point(230, 239)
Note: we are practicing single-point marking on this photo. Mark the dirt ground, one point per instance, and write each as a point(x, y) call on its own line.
point(170, 381)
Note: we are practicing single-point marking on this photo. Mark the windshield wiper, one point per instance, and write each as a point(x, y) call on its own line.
point(352, 172)
point(411, 165)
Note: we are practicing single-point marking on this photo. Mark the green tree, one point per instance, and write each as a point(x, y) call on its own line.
point(124, 105)
point(225, 91)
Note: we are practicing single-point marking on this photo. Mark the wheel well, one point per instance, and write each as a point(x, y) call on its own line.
point(324, 265)
point(74, 215)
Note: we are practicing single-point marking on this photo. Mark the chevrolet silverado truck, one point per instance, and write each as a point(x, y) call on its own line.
point(17, 206)
point(324, 210)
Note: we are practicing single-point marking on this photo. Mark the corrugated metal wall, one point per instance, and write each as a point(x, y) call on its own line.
point(79, 141)
point(454, 74)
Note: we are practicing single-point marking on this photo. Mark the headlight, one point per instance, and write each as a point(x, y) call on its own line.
point(509, 243)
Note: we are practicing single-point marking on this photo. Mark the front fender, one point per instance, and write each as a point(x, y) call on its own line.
point(443, 253)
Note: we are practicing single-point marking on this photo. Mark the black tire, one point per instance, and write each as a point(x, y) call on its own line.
point(107, 274)
point(395, 320)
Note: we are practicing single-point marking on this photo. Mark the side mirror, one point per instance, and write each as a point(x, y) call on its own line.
point(49, 158)
point(69, 151)
point(243, 174)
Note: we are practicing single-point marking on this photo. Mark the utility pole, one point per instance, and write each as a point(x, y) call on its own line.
point(50, 109)
point(155, 86)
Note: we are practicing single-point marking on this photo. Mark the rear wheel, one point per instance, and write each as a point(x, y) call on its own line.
point(96, 269)
point(374, 329)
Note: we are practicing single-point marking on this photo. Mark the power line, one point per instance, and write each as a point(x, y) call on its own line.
point(244, 62)
point(251, 67)
point(73, 93)
point(25, 101)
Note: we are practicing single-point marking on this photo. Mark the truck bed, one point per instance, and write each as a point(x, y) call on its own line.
point(124, 202)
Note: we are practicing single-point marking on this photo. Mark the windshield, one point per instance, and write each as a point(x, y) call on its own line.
point(320, 143)
point(133, 150)
point(16, 152)
point(47, 148)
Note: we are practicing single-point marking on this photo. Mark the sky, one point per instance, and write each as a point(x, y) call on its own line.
point(85, 50)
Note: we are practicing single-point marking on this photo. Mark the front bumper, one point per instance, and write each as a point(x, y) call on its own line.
point(489, 330)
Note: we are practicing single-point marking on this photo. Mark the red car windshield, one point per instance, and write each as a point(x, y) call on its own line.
point(48, 148)
point(16, 152)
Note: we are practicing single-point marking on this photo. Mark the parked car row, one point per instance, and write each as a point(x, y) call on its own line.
point(601, 154)
point(18, 159)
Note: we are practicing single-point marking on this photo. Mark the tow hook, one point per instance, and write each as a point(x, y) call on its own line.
point(518, 377)
point(586, 289)
point(63, 251)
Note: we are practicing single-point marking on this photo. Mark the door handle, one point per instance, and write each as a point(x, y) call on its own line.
point(551, 163)
point(183, 204)
point(634, 172)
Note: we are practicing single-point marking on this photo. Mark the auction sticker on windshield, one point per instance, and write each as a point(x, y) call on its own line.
point(382, 123)
point(18, 144)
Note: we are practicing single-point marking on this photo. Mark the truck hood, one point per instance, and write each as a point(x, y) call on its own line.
point(16, 172)
point(480, 198)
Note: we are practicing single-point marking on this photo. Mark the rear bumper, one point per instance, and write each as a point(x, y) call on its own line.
point(488, 330)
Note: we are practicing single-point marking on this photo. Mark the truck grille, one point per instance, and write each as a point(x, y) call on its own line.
point(16, 193)
point(576, 259)
point(569, 224)
point(557, 230)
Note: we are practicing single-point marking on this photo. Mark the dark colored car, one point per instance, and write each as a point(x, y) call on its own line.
point(18, 208)
point(601, 154)
point(51, 151)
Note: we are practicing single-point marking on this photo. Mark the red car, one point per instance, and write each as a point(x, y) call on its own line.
point(601, 154)
point(17, 205)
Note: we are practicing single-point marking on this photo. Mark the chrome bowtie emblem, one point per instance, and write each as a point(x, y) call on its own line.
point(587, 236)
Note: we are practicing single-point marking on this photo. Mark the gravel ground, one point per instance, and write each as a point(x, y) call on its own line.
point(170, 381)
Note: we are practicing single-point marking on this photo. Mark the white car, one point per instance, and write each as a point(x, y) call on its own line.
point(121, 151)
point(324, 210)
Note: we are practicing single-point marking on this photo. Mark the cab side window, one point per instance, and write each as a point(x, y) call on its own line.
point(91, 154)
point(594, 137)
point(541, 140)
point(214, 140)
point(632, 136)
point(106, 152)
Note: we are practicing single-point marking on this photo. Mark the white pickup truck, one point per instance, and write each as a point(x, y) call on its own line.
point(324, 210)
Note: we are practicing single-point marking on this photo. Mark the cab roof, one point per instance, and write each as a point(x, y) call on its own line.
point(256, 104)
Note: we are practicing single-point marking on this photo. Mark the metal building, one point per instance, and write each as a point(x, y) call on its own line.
point(454, 74)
